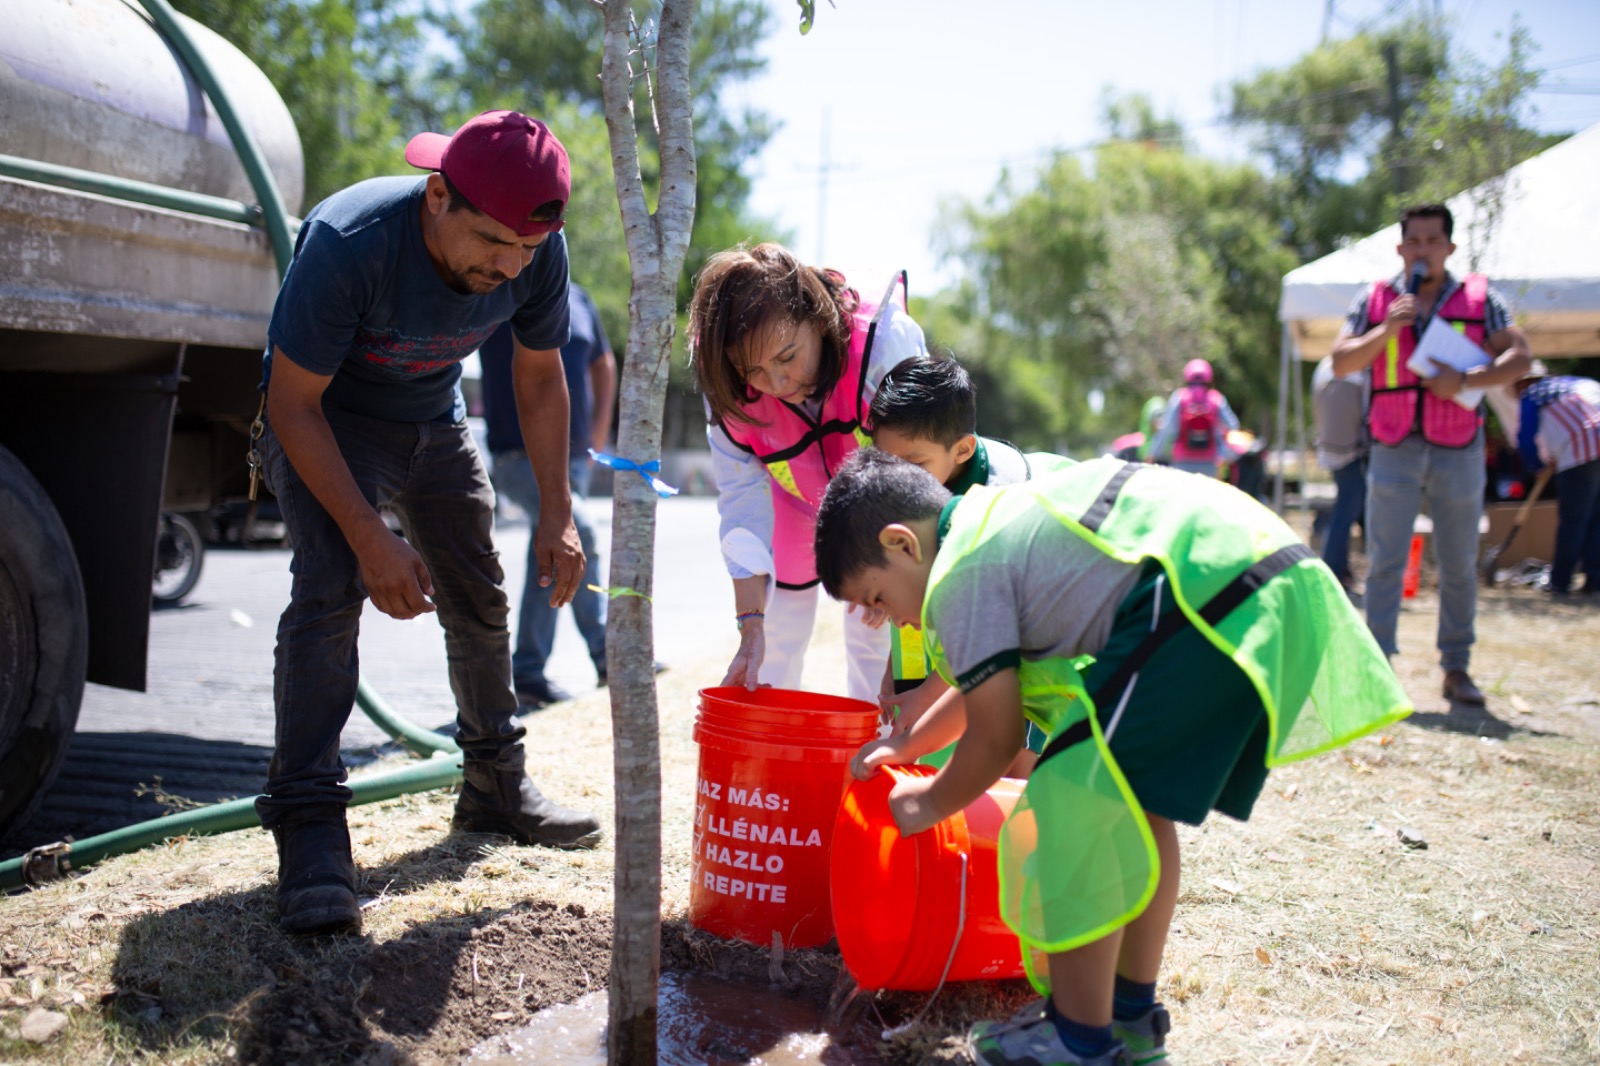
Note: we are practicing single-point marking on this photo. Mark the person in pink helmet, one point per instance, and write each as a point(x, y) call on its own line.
point(1193, 436)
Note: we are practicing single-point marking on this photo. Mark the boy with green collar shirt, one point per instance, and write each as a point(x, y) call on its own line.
point(1221, 646)
point(926, 412)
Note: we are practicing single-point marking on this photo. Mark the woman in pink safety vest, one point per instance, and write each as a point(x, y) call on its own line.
point(789, 357)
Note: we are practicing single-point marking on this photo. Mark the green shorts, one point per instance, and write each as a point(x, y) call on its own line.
point(1193, 735)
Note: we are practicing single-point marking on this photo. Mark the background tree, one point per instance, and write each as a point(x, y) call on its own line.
point(1088, 291)
point(515, 51)
point(1339, 101)
point(351, 72)
point(1473, 127)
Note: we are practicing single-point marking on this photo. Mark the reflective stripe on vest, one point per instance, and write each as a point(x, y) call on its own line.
point(784, 476)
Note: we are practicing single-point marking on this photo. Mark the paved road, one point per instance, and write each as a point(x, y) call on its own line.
point(203, 730)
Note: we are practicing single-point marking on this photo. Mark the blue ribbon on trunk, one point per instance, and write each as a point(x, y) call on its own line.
point(648, 471)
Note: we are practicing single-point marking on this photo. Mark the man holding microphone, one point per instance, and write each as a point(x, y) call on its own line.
point(1426, 445)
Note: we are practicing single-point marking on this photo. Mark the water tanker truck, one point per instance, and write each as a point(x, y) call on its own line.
point(146, 171)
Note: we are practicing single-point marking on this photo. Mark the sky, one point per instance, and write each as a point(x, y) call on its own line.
point(892, 110)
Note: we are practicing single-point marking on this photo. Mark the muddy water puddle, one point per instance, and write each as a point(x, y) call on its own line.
point(702, 1021)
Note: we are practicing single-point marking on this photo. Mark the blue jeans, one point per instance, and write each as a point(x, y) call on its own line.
point(536, 624)
point(430, 475)
point(1451, 481)
point(1349, 504)
point(1577, 527)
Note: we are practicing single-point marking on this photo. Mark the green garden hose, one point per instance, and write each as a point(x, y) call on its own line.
point(52, 862)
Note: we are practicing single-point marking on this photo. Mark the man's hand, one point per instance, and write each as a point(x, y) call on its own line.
point(396, 578)
point(561, 559)
point(746, 665)
point(909, 803)
point(1402, 313)
point(1446, 382)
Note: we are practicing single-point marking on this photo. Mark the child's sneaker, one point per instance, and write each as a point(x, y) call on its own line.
point(1030, 1039)
point(1146, 1036)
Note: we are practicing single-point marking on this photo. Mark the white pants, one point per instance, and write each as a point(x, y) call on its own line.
point(791, 614)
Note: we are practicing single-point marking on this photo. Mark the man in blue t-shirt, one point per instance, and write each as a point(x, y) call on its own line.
point(395, 281)
point(591, 371)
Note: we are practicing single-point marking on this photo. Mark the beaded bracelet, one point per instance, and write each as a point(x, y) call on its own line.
point(739, 619)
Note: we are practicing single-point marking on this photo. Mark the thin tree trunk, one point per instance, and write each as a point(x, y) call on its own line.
point(657, 245)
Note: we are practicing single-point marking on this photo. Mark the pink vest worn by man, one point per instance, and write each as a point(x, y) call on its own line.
point(1401, 403)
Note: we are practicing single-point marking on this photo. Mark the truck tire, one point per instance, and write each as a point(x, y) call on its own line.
point(44, 642)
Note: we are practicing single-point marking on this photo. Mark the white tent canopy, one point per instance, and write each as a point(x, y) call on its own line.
point(1542, 254)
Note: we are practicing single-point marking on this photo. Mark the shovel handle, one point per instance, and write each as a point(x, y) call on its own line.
point(1494, 553)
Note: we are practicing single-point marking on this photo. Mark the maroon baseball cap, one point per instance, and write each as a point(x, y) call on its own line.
point(506, 164)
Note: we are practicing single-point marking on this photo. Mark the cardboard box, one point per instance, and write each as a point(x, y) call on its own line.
point(1536, 539)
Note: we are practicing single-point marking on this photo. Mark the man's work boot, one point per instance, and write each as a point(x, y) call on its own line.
point(1459, 688)
point(316, 876)
point(499, 800)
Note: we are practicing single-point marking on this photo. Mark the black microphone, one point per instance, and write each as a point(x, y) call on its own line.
point(1419, 270)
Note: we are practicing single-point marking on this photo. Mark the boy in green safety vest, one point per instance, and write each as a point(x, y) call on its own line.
point(926, 412)
point(1221, 646)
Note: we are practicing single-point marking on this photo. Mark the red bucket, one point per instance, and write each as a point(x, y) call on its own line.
point(773, 764)
point(898, 901)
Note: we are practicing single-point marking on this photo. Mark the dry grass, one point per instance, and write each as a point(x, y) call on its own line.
point(1310, 935)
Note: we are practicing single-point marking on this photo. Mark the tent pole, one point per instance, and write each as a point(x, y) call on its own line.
point(1282, 435)
point(1297, 383)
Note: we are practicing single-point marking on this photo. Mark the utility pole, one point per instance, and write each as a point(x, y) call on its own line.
point(1327, 21)
point(1397, 166)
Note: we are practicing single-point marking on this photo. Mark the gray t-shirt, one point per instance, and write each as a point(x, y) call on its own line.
point(1033, 590)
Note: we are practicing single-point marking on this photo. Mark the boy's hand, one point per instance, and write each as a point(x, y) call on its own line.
point(913, 704)
point(875, 753)
point(908, 802)
point(872, 616)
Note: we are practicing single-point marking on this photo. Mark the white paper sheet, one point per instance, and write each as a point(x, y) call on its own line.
point(1441, 341)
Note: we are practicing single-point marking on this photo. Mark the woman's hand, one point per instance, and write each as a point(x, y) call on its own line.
point(746, 665)
point(908, 802)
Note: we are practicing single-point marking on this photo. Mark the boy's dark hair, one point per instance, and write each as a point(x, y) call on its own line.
point(740, 292)
point(1439, 211)
point(927, 398)
point(872, 490)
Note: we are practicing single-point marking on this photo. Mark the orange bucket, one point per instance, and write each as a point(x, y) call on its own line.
point(773, 764)
point(898, 902)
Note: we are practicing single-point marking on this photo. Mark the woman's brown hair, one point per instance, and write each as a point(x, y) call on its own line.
point(743, 290)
